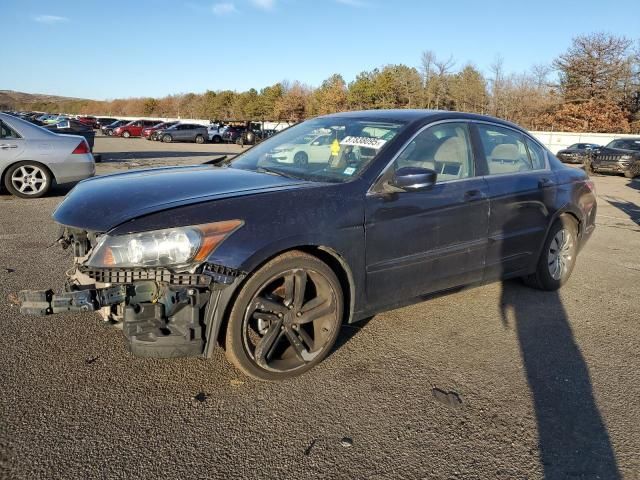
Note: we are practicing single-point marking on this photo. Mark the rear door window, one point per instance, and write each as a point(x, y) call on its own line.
point(504, 149)
point(7, 132)
point(538, 156)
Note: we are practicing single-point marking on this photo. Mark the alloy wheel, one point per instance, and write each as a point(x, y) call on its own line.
point(290, 320)
point(560, 255)
point(29, 180)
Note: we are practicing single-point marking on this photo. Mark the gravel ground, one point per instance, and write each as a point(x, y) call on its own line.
point(497, 381)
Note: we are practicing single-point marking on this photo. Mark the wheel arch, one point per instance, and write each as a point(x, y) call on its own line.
point(326, 254)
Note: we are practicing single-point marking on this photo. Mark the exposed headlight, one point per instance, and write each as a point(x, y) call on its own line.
point(172, 247)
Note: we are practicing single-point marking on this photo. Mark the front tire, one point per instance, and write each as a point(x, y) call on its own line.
point(28, 180)
point(301, 159)
point(216, 139)
point(126, 134)
point(286, 318)
point(558, 256)
point(167, 138)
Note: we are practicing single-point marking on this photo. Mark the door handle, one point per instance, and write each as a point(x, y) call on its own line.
point(4, 146)
point(545, 182)
point(472, 194)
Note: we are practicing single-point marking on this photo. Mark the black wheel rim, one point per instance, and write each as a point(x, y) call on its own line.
point(290, 320)
point(301, 159)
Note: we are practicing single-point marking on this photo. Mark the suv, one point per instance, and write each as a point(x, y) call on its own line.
point(184, 132)
point(134, 129)
point(619, 156)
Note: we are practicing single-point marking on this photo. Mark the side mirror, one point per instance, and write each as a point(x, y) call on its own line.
point(412, 179)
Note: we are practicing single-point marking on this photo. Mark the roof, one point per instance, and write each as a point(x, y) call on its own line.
point(415, 115)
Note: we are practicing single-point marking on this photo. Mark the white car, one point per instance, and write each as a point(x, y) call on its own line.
point(215, 133)
point(33, 159)
point(313, 148)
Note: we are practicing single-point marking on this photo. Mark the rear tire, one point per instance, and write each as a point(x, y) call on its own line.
point(286, 318)
point(199, 139)
point(558, 256)
point(28, 180)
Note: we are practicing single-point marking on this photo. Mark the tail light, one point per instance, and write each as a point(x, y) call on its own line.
point(590, 185)
point(81, 149)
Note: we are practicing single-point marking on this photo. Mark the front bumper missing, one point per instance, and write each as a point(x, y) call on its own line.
point(162, 313)
point(45, 302)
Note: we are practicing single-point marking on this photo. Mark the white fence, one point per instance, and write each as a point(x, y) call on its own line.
point(555, 141)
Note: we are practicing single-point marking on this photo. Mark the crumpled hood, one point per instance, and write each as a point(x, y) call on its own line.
point(101, 203)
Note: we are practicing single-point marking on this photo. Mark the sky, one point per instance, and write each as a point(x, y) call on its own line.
point(117, 49)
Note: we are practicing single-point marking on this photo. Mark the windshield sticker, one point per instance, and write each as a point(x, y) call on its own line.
point(368, 142)
point(335, 148)
point(349, 171)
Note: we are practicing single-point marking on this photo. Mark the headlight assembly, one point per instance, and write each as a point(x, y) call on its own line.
point(171, 247)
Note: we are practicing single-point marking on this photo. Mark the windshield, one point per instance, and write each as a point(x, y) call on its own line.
point(626, 144)
point(322, 149)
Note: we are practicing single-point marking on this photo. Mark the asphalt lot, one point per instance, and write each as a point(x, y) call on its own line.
point(528, 384)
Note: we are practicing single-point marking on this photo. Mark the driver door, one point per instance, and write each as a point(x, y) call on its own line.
point(418, 242)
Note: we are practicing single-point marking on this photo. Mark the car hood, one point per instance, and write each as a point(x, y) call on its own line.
point(102, 203)
point(617, 151)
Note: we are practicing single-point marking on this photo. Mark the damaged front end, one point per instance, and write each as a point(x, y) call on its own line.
point(158, 286)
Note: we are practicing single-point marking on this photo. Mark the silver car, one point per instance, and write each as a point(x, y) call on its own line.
point(33, 159)
point(184, 132)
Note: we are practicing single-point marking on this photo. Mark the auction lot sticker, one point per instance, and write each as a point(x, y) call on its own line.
point(367, 142)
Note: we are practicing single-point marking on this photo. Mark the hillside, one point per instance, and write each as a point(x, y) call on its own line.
point(10, 99)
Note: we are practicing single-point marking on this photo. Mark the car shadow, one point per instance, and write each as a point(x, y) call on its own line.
point(625, 206)
point(634, 183)
point(573, 439)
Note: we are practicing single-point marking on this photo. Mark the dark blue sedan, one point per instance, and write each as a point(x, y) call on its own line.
point(330, 221)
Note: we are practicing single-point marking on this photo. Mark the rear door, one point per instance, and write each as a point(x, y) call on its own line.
point(11, 145)
point(522, 193)
point(424, 241)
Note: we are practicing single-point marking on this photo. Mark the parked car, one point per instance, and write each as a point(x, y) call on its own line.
point(231, 134)
point(577, 153)
point(134, 129)
point(270, 258)
point(104, 121)
point(88, 120)
point(108, 129)
point(32, 158)
point(48, 118)
point(311, 148)
point(74, 127)
point(150, 133)
point(215, 132)
point(184, 132)
point(618, 156)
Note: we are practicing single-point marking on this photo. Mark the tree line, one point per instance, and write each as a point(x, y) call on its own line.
point(593, 86)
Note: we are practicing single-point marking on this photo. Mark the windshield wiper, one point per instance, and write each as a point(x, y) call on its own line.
point(273, 172)
point(216, 161)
